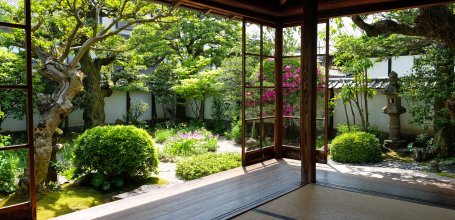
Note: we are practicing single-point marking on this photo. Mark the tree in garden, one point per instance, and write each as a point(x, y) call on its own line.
point(433, 25)
point(198, 87)
point(64, 34)
point(353, 56)
point(151, 56)
point(176, 50)
point(429, 91)
point(12, 71)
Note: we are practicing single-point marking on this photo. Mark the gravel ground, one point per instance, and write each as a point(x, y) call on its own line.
point(388, 164)
point(167, 170)
point(386, 169)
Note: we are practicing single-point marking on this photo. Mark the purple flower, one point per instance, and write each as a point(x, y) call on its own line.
point(287, 68)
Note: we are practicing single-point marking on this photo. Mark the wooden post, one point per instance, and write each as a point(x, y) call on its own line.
point(29, 115)
point(308, 83)
point(128, 106)
point(153, 110)
point(243, 91)
point(278, 90)
point(261, 86)
point(326, 89)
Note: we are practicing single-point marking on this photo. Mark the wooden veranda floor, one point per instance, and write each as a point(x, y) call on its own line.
point(228, 194)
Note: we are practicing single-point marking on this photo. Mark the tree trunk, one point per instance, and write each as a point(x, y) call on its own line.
point(180, 111)
point(53, 110)
point(352, 112)
point(444, 132)
point(347, 115)
point(365, 97)
point(202, 110)
point(443, 135)
point(94, 114)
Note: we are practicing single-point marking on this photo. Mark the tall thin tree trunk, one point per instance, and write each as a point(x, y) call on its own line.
point(347, 115)
point(202, 110)
point(352, 112)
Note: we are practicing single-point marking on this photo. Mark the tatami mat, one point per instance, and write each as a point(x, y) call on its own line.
point(319, 202)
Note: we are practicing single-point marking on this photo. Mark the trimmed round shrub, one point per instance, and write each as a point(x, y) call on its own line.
point(355, 147)
point(203, 165)
point(115, 151)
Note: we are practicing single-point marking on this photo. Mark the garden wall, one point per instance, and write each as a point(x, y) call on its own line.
point(115, 106)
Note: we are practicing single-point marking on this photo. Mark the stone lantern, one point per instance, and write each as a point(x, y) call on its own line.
point(394, 110)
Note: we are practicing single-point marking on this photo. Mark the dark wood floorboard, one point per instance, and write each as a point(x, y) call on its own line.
point(230, 193)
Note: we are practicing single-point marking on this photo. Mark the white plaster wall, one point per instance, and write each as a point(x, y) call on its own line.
point(376, 116)
point(10, 124)
point(207, 111)
point(402, 65)
point(144, 97)
point(75, 118)
point(115, 106)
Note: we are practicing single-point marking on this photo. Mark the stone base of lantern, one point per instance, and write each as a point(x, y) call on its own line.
point(394, 144)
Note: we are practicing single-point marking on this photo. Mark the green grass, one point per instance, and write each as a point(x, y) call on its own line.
point(162, 135)
point(206, 164)
point(450, 175)
point(394, 155)
point(69, 199)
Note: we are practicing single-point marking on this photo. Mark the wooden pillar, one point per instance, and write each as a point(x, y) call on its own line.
point(243, 90)
point(278, 90)
point(308, 101)
point(326, 90)
point(128, 106)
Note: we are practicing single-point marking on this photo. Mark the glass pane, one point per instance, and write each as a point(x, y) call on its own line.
point(291, 132)
point(321, 72)
point(320, 120)
point(321, 38)
point(269, 41)
point(9, 9)
point(12, 119)
point(253, 38)
point(12, 164)
point(252, 131)
point(291, 102)
point(268, 102)
point(252, 103)
point(292, 65)
point(269, 72)
point(252, 74)
point(268, 133)
point(12, 59)
point(291, 41)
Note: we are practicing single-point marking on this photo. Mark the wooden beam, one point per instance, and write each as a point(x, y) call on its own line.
point(308, 84)
point(278, 90)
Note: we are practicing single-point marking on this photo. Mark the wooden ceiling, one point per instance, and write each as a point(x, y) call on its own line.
point(290, 12)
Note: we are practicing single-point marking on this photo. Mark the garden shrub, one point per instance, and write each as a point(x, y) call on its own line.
point(355, 147)
point(115, 152)
point(135, 113)
point(190, 143)
point(203, 165)
point(344, 128)
point(161, 135)
point(11, 166)
point(236, 131)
